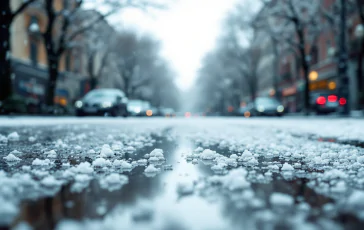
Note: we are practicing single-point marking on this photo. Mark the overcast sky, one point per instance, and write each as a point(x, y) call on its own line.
point(188, 29)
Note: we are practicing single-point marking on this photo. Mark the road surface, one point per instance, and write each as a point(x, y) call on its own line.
point(179, 173)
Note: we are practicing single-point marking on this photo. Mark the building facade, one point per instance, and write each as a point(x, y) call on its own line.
point(29, 57)
point(323, 64)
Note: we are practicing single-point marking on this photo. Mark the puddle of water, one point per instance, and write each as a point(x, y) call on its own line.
point(207, 208)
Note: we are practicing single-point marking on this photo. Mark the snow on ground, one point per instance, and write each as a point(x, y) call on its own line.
point(239, 154)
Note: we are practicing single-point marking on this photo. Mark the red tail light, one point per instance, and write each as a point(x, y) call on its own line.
point(332, 98)
point(321, 100)
point(342, 101)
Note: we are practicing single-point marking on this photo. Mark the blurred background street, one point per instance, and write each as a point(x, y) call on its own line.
point(181, 114)
point(295, 58)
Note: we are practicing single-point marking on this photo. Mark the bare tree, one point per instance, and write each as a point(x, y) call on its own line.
point(135, 59)
point(7, 17)
point(57, 43)
point(97, 48)
point(300, 26)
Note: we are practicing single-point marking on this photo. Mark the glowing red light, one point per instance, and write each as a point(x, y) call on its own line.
point(332, 98)
point(342, 101)
point(321, 100)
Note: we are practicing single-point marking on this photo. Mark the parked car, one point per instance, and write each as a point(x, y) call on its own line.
point(138, 107)
point(168, 112)
point(103, 102)
point(326, 102)
point(263, 106)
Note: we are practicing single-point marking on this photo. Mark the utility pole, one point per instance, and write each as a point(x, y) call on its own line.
point(343, 90)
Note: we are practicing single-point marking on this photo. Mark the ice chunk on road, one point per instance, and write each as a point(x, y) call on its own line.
point(246, 156)
point(3, 139)
point(32, 139)
point(82, 178)
point(151, 169)
point(101, 162)
point(14, 136)
point(236, 179)
point(334, 174)
point(106, 151)
point(198, 149)
point(234, 156)
point(194, 161)
point(8, 211)
point(360, 159)
point(208, 154)
point(287, 167)
point(116, 163)
point(185, 187)
point(158, 153)
point(11, 157)
point(340, 187)
point(50, 181)
point(39, 162)
point(51, 154)
point(218, 168)
point(153, 159)
point(91, 151)
point(142, 162)
point(117, 146)
point(281, 199)
point(113, 181)
point(84, 167)
point(273, 167)
point(252, 162)
point(356, 200)
point(129, 149)
point(125, 165)
point(232, 162)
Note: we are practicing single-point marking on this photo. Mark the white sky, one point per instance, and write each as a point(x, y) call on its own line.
point(188, 29)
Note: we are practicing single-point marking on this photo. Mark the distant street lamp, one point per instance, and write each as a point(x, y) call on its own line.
point(313, 76)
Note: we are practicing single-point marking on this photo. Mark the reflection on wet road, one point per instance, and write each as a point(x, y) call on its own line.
point(195, 181)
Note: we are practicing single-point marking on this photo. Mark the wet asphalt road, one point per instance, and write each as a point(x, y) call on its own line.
point(184, 190)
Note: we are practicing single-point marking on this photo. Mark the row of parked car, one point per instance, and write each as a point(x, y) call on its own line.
point(320, 103)
point(114, 102)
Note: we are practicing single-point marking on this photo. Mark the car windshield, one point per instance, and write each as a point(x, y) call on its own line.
point(135, 103)
point(107, 94)
point(266, 101)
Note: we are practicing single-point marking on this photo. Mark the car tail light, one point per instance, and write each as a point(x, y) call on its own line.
point(332, 98)
point(321, 100)
point(342, 101)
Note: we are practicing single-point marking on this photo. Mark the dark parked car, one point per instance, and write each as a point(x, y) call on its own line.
point(138, 107)
point(326, 102)
point(168, 112)
point(103, 102)
point(263, 106)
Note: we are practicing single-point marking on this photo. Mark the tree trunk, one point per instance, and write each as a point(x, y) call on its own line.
point(305, 68)
point(275, 69)
point(6, 87)
point(53, 63)
point(91, 71)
